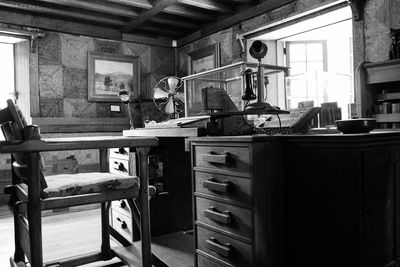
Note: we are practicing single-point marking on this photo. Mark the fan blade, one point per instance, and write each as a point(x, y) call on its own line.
point(172, 82)
point(170, 106)
point(159, 93)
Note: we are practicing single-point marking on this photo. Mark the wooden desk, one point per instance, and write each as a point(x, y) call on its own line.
point(171, 210)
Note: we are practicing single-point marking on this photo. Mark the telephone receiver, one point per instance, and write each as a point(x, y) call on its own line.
point(248, 92)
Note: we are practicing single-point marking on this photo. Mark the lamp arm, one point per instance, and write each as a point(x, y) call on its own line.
point(130, 114)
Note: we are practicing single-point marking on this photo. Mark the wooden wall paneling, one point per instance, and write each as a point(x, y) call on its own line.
point(34, 84)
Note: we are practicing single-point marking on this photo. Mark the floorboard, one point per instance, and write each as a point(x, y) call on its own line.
point(74, 233)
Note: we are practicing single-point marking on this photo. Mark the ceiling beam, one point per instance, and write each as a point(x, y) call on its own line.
point(173, 10)
point(209, 5)
point(109, 8)
point(230, 21)
point(24, 20)
point(158, 7)
point(118, 10)
point(59, 12)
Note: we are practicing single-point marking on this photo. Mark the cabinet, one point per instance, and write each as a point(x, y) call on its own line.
point(342, 200)
point(237, 201)
point(380, 86)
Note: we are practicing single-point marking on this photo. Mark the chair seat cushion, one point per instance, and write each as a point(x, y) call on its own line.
point(63, 185)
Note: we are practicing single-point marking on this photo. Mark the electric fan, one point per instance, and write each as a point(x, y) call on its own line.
point(169, 96)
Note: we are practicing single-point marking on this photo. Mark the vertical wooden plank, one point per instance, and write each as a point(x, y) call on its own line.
point(34, 212)
point(145, 230)
point(18, 253)
point(34, 84)
point(105, 232)
point(103, 159)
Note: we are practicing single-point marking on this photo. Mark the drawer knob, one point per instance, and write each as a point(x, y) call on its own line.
point(121, 151)
point(217, 216)
point(215, 158)
point(214, 185)
point(222, 249)
point(120, 167)
point(123, 223)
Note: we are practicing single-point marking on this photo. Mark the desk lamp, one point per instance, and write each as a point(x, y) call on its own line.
point(258, 50)
point(125, 98)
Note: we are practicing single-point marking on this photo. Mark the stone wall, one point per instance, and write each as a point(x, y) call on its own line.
point(379, 17)
point(63, 73)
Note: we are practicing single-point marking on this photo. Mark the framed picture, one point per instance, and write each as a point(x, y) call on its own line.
point(109, 73)
point(203, 59)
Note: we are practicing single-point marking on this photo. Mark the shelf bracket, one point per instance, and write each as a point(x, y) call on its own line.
point(240, 40)
point(357, 8)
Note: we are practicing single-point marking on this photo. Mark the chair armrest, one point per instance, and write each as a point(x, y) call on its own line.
point(77, 143)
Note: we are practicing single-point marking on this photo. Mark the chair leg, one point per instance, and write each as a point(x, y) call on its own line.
point(145, 231)
point(19, 255)
point(105, 231)
point(34, 213)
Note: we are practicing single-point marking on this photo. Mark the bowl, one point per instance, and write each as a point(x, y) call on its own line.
point(352, 126)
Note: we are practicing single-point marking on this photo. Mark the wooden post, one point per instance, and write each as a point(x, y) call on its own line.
point(145, 230)
point(105, 220)
point(34, 211)
point(18, 253)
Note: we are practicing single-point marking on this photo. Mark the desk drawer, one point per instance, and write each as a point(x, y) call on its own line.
point(235, 159)
point(121, 206)
point(224, 216)
point(234, 188)
point(203, 261)
point(121, 153)
point(122, 224)
point(119, 166)
point(224, 248)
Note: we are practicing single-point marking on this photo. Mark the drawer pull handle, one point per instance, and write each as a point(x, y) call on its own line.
point(214, 185)
point(222, 249)
point(215, 158)
point(221, 217)
point(123, 223)
point(121, 151)
point(120, 167)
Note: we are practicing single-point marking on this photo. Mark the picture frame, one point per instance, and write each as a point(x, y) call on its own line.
point(109, 73)
point(204, 59)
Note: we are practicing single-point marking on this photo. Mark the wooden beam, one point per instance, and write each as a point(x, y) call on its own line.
point(173, 10)
point(118, 10)
point(106, 7)
point(175, 22)
point(209, 5)
point(15, 18)
point(146, 40)
point(159, 6)
point(60, 12)
point(235, 19)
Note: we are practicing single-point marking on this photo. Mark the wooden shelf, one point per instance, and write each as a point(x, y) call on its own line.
point(391, 117)
point(381, 72)
point(388, 96)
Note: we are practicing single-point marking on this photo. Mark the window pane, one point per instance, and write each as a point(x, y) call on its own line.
point(315, 66)
point(314, 52)
point(6, 72)
point(297, 68)
point(297, 52)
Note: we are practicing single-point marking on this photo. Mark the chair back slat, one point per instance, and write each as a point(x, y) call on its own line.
point(12, 123)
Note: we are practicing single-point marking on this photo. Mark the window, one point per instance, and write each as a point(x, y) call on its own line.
point(6, 72)
point(319, 52)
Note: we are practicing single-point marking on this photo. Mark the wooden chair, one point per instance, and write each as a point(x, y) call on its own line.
point(32, 193)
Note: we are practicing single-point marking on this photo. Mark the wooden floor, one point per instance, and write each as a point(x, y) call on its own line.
point(75, 233)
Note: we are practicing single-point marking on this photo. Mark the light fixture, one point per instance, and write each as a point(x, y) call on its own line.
point(125, 98)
